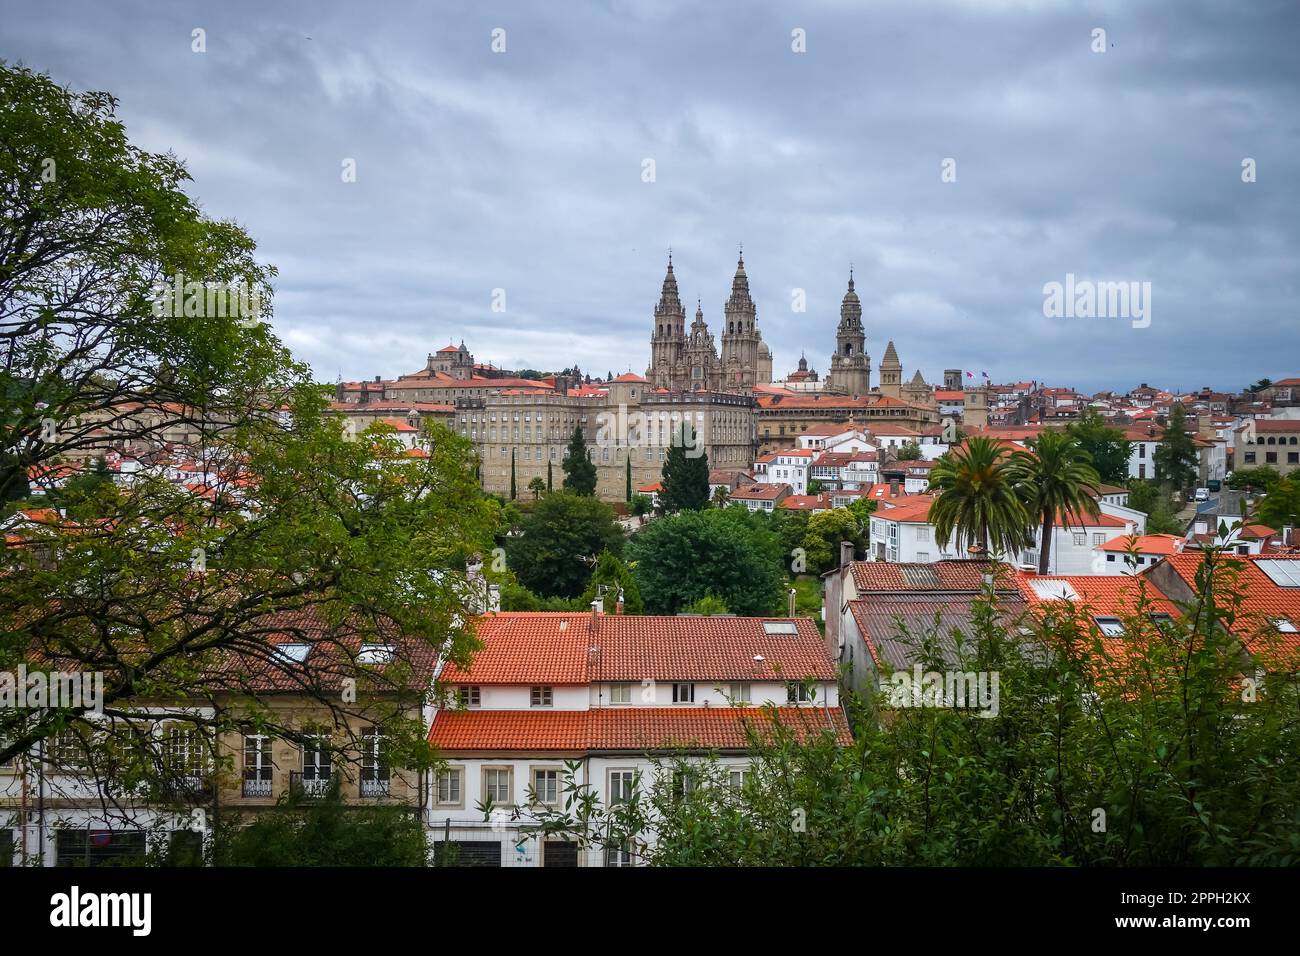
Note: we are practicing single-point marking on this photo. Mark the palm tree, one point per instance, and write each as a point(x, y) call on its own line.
point(720, 496)
point(1055, 478)
point(977, 497)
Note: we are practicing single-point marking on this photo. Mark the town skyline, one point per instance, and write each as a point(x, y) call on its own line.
point(517, 161)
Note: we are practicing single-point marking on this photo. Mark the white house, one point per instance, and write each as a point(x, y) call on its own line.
point(612, 695)
point(789, 466)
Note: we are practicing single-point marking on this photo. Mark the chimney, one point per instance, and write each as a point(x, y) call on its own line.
point(618, 605)
point(893, 487)
point(595, 615)
point(793, 592)
point(758, 665)
point(846, 555)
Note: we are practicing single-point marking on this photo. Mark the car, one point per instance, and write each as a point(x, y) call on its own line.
point(1202, 494)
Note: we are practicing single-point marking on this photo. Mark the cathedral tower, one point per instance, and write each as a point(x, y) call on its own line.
point(740, 336)
point(891, 373)
point(850, 365)
point(668, 338)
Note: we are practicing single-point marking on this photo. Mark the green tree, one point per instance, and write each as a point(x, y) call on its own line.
point(1280, 508)
point(641, 505)
point(1260, 479)
point(708, 606)
point(978, 499)
point(615, 576)
point(579, 469)
point(536, 486)
point(1176, 459)
point(720, 496)
point(680, 558)
point(549, 484)
point(513, 490)
point(814, 486)
point(826, 529)
point(325, 529)
point(908, 451)
point(627, 478)
point(302, 831)
point(685, 483)
point(1153, 499)
point(559, 542)
point(1054, 479)
point(1107, 448)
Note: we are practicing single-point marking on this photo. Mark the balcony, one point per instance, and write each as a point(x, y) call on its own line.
point(314, 786)
point(374, 789)
point(257, 789)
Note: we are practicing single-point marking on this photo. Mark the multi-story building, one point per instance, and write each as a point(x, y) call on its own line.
point(611, 696)
point(1268, 442)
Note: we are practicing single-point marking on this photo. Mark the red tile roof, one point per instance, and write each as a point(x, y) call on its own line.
point(1145, 544)
point(955, 575)
point(636, 729)
point(534, 647)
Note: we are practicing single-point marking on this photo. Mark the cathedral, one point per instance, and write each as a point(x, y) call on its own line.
point(684, 361)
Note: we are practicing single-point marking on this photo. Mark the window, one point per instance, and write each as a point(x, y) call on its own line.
point(316, 760)
point(1080, 539)
point(683, 693)
point(739, 692)
point(684, 783)
point(468, 695)
point(375, 654)
point(1110, 557)
point(292, 653)
point(374, 766)
point(546, 786)
point(257, 766)
point(620, 694)
point(1285, 626)
point(1098, 539)
point(736, 779)
point(620, 856)
point(1110, 626)
point(184, 751)
point(1160, 619)
point(798, 693)
point(621, 784)
point(923, 534)
point(923, 556)
point(68, 749)
point(497, 785)
point(542, 697)
point(449, 787)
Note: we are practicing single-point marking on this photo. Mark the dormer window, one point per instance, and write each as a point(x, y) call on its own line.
point(293, 653)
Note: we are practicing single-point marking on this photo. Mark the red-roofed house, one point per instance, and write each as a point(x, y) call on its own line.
point(612, 693)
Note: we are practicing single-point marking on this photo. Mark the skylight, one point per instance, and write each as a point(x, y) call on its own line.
point(1285, 574)
point(779, 627)
point(1285, 626)
point(296, 653)
point(1110, 626)
point(375, 654)
point(1049, 590)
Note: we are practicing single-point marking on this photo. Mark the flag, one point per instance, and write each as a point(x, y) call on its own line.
point(970, 374)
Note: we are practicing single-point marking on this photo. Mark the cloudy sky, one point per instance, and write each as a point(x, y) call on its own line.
point(525, 170)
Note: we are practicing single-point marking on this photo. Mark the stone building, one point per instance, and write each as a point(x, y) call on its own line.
point(850, 365)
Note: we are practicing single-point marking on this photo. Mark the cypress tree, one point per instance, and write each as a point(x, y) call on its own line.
point(579, 470)
point(513, 493)
point(685, 476)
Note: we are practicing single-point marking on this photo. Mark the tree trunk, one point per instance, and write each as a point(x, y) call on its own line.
point(1045, 552)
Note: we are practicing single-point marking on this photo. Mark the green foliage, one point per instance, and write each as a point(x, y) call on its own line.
point(814, 486)
point(1154, 500)
point(1150, 756)
point(708, 606)
point(978, 497)
point(725, 551)
point(1055, 478)
point(514, 492)
point(516, 597)
point(641, 505)
point(1176, 459)
point(579, 469)
point(1281, 507)
point(1107, 448)
point(324, 832)
point(685, 483)
point(614, 574)
point(1260, 479)
point(562, 530)
point(908, 451)
point(536, 486)
point(826, 529)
